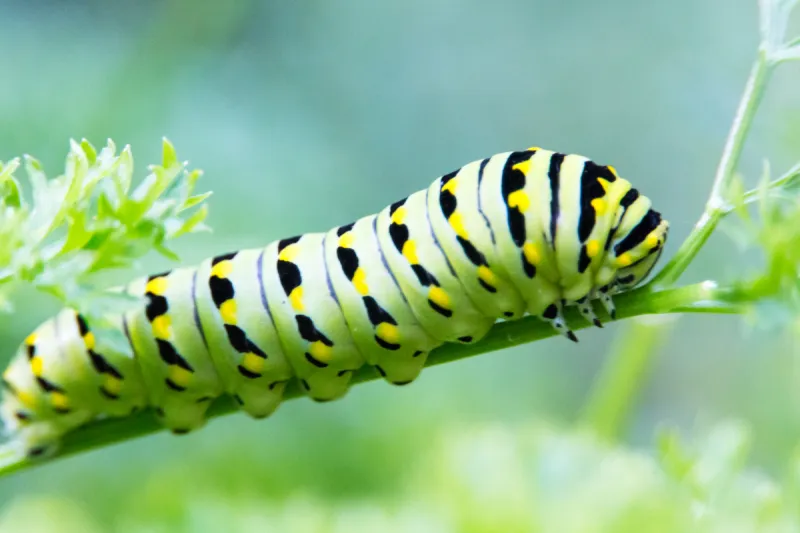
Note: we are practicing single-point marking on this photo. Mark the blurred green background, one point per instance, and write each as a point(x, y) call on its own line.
point(305, 115)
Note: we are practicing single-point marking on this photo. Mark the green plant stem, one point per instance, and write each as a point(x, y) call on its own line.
point(700, 297)
point(717, 206)
point(787, 180)
point(608, 406)
point(612, 397)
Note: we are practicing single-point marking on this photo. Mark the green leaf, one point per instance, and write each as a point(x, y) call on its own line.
point(166, 252)
point(89, 151)
point(86, 220)
point(192, 223)
point(675, 458)
point(168, 158)
point(9, 186)
point(195, 200)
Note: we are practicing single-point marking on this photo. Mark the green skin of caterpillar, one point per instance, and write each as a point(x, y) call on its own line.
point(518, 233)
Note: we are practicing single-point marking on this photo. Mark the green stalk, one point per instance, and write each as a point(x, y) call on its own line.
point(614, 392)
point(717, 204)
point(699, 298)
point(613, 395)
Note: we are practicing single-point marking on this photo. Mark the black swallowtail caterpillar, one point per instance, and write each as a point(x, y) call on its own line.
point(517, 233)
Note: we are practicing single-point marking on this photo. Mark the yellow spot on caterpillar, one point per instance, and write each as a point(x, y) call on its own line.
point(89, 341)
point(222, 269)
point(624, 260)
point(613, 170)
point(457, 223)
point(532, 148)
point(651, 241)
point(438, 296)
point(162, 327)
point(531, 252)
point(179, 376)
point(112, 384)
point(605, 184)
point(523, 166)
point(592, 248)
point(410, 252)
point(600, 206)
point(26, 398)
point(289, 253)
point(360, 281)
point(30, 340)
point(253, 363)
point(296, 298)
point(346, 240)
point(450, 186)
point(36, 366)
point(59, 400)
point(388, 332)
point(488, 277)
point(157, 286)
point(228, 311)
point(320, 351)
point(520, 200)
point(399, 215)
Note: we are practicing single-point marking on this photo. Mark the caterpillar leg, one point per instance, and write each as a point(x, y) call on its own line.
point(608, 302)
point(554, 314)
point(587, 311)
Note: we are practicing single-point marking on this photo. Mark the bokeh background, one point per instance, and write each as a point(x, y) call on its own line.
point(305, 115)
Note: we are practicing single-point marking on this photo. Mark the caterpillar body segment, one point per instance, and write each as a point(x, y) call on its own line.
point(309, 317)
point(240, 331)
point(453, 201)
point(518, 233)
point(425, 274)
point(167, 340)
point(32, 375)
point(517, 206)
point(384, 327)
point(96, 373)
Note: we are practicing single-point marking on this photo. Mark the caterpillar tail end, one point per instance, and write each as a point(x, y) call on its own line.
point(24, 442)
point(17, 449)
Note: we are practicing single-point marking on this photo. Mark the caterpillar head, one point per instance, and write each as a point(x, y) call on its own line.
point(636, 245)
point(637, 250)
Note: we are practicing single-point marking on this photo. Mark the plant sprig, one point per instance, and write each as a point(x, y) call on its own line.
point(91, 219)
point(773, 50)
point(777, 233)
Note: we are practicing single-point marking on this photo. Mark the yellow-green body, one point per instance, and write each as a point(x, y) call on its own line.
point(517, 233)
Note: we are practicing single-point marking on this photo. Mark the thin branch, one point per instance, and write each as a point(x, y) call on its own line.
point(503, 335)
point(717, 205)
point(753, 195)
point(612, 398)
point(624, 373)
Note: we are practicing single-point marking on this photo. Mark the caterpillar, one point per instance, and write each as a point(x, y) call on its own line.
point(518, 233)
